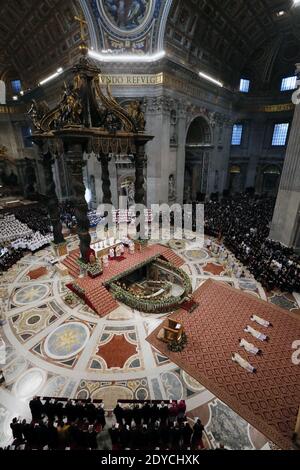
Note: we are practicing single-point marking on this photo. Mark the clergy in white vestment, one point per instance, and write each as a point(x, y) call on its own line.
point(260, 321)
point(243, 363)
point(256, 334)
point(249, 347)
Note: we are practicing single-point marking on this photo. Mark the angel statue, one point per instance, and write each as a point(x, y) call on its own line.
point(70, 107)
point(137, 115)
point(37, 112)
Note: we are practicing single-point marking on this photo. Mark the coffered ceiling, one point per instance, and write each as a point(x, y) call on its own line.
point(37, 37)
point(230, 37)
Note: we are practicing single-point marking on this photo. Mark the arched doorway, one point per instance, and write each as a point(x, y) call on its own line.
point(271, 179)
point(197, 156)
point(127, 188)
point(235, 179)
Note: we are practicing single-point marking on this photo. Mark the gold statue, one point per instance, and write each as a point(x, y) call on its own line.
point(83, 47)
point(70, 107)
point(135, 112)
point(36, 112)
point(3, 151)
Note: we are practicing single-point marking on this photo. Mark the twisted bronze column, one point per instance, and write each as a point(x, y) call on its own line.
point(139, 186)
point(139, 175)
point(105, 159)
point(75, 165)
point(50, 198)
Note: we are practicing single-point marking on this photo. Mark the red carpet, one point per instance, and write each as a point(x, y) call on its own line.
point(71, 263)
point(97, 296)
point(37, 273)
point(213, 268)
point(189, 306)
point(269, 399)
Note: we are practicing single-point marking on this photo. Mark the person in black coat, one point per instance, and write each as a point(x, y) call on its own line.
point(154, 413)
point(79, 411)
point(137, 439)
point(196, 441)
point(163, 413)
point(119, 414)
point(49, 409)
point(17, 429)
point(52, 436)
point(145, 438)
point(154, 435)
point(146, 413)
point(36, 408)
point(127, 416)
point(70, 411)
point(115, 434)
point(59, 410)
point(176, 437)
point(91, 438)
point(164, 436)
point(137, 415)
point(187, 435)
point(91, 412)
point(100, 416)
point(126, 438)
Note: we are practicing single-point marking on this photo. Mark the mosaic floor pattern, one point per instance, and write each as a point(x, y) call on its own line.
point(57, 349)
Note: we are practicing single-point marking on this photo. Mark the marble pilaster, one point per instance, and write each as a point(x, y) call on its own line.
point(285, 225)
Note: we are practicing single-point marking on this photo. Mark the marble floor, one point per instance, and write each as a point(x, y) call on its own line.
point(58, 348)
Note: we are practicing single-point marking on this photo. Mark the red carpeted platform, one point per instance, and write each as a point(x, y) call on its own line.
point(37, 273)
point(71, 263)
point(269, 399)
point(96, 295)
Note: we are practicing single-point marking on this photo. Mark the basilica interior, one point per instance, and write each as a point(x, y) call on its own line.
point(122, 327)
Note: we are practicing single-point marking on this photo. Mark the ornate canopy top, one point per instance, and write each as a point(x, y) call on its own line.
point(84, 107)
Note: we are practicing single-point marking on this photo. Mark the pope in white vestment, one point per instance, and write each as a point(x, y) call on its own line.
point(260, 321)
point(256, 334)
point(249, 347)
point(243, 363)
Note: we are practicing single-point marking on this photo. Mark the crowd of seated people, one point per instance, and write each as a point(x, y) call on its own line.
point(35, 217)
point(67, 211)
point(22, 229)
point(82, 424)
point(9, 257)
point(32, 243)
point(67, 214)
point(243, 222)
point(11, 228)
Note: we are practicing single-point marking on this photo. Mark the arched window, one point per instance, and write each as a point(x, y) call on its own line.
point(2, 92)
point(235, 169)
point(199, 133)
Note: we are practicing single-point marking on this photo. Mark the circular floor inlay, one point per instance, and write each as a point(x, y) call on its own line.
point(29, 383)
point(31, 293)
point(33, 320)
point(110, 395)
point(67, 340)
point(192, 383)
point(199, 255)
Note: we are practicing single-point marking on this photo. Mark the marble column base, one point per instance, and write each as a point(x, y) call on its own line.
point(59, 250)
